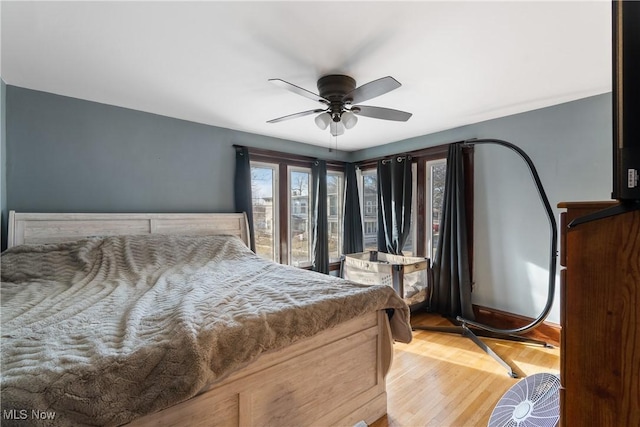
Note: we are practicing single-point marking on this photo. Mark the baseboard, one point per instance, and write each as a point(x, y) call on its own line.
point(547, 331)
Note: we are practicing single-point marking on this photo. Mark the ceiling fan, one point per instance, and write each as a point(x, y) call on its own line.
point(338, 94)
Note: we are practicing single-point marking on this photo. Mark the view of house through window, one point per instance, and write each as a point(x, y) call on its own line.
point(299, 217)
point(409, 248)
point(295, 210)
point(369, 201)
point(335, 197)
point(433, 190)
point(369, 196)
point(436, 174)
point(264, 178)
point(297, 214)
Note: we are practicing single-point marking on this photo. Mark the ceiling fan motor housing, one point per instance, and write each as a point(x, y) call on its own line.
point(338, 94)
point(334, 88)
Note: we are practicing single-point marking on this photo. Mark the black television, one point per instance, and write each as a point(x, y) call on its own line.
point(625, 19)
point(626, 100)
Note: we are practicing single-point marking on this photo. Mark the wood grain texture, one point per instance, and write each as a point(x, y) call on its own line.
point(601, 321)
point(333, 379)
point(32, 228)
point(445, 380)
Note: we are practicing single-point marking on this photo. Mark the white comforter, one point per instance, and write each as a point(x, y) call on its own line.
point(104, 330)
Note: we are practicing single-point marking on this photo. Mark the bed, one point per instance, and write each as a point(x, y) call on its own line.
point(169, 319)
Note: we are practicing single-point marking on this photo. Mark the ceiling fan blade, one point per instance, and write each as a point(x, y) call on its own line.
point(372, 89)
point(300, 91)
point(381, 113)
point(296, 115)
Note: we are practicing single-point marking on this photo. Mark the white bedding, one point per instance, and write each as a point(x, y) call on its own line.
point(104, 330)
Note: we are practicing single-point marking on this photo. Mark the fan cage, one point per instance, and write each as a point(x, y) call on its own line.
point(533, 401)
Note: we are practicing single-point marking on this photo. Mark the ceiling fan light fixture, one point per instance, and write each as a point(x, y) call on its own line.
point(349, 119)
point(338, 94)
point(337, 128)
point(323, 120)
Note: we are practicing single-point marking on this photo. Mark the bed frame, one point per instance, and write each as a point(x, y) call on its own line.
point(30, 228)
point(335, 378)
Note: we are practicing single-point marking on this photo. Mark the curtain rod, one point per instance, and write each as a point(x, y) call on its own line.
point(436, 151)
point(261, 152)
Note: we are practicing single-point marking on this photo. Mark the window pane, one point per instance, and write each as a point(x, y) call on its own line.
point(370, 215)
point(263, 185)
point(409, 249)
point(437, 172)
point(335, 188)
point(299, 218)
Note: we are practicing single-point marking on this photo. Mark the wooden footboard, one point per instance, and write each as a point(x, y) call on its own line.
point(334, 378)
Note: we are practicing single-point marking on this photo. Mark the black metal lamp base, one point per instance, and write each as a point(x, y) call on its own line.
point(464, 330)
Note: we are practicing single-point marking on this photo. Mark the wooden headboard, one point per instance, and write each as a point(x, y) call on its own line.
point(31, 228)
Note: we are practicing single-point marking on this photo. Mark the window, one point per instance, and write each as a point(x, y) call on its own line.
point(369, 209)
point(369, 199)
point(335, 197)
point(409, 248)
point(299, 217)
point(428, 173)
point(282, 208)
point(264, 184)
point(369, 196)
point(370, 227)
point(436, 173)
point(283, 225)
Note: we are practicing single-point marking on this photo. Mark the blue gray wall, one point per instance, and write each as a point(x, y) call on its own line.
point(3, 167)
point(71, 155)
point(65, 154)
point(571, 147)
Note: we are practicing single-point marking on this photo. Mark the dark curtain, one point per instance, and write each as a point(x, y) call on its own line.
point(451, 268)
point(352, 241)
point(320, 242)
point(242, 193)
point(394, 203)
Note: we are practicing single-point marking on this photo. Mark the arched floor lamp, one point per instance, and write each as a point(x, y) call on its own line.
point(515, 333)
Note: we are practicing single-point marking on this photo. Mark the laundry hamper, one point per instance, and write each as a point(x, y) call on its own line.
point(409, 276)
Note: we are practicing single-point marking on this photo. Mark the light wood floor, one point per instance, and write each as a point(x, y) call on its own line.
point(445, 380)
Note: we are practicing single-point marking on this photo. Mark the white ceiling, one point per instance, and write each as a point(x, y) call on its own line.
point(209, 62)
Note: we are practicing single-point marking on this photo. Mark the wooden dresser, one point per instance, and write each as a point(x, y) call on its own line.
point(600, 318)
